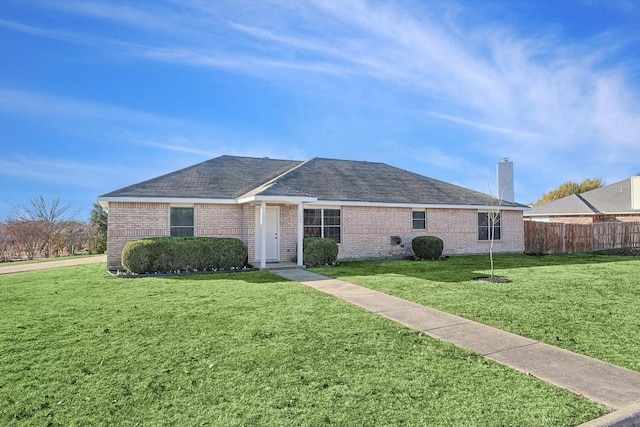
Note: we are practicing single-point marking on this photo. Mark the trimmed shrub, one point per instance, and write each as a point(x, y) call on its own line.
point(427, 247)
point(169, 254)
point(136, 256)
point(319, 251)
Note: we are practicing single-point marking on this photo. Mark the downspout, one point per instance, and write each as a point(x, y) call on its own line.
point(263, 235)
point(300, 233)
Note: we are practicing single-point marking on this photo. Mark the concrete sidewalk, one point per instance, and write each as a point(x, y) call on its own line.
point(8, 268)
point(609, 385)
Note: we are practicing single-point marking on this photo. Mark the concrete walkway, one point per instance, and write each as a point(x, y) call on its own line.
point(612, 386)
point(10, 268)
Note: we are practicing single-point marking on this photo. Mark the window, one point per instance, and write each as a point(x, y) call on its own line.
point(182, 222)
point(419, 219)
point(489, 224)
point(322, 223)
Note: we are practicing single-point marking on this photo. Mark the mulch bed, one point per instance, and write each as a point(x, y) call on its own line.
point(494, 279)
point(124, 275)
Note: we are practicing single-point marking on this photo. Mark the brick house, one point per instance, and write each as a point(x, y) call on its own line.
point(617, 202)
point(372, 210)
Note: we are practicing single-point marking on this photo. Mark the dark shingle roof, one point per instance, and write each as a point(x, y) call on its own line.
point(613, 198)
point(357, 181)
point(320, 178)
point(225, 177)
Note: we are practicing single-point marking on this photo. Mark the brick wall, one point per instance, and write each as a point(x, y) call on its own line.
point(219, 220)
point(289, 233)
point(367, 232)
point(133, 221)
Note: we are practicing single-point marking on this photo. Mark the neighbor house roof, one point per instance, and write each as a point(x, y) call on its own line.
point(615, 198)
point(318, 179)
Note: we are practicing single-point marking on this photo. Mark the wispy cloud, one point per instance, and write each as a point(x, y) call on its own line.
point(56, 171)
point(176, 146)
point(26, 102)
point(69, 36)
point(538, 91)
point(484, 126)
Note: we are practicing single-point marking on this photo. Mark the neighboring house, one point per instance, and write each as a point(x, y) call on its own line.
point(616, 202)
point(372, 210)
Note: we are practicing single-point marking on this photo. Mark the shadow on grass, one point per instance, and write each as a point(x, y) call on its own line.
point(461, 268)
point(257, 277)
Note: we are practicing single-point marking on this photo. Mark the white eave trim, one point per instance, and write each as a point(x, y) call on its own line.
point(551, 215)
point(104, 200)
point(418, 205)
point(310, 201)
point(277, 199)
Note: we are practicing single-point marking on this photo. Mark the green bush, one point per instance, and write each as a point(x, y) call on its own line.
point(169, 254)
point(427, 247)
point(319, 251)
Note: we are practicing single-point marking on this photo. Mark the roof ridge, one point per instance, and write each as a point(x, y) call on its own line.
point(272, 181)
point(587, 203)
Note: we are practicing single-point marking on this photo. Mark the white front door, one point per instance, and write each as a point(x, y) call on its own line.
point(272, 231)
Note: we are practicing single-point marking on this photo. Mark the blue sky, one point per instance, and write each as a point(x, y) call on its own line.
point(97, 95)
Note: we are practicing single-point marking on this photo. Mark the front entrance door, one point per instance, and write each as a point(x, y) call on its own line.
point(272, 232)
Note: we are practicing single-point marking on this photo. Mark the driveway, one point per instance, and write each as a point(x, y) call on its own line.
point(8, 268)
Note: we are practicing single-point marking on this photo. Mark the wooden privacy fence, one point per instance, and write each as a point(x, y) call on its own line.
point(551, 237)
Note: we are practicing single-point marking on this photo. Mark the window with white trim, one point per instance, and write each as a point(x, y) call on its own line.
point(419, 220)
point(181, 222)
point(322, 223)
point(489, 225)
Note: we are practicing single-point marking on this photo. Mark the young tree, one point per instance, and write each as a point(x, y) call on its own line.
point(98, 222)
point(494, 219)
point(569, 188)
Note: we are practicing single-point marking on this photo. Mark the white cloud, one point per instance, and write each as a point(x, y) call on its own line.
point(56, 171)
point(558, 103)
point(32, 103)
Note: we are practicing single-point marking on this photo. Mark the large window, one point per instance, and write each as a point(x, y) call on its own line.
point(489, 225)
point(419, 219)
point(182, 222)
point(322, 223)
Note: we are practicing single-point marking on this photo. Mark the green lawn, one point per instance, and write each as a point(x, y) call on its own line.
point(78, 347)
point(584, 303)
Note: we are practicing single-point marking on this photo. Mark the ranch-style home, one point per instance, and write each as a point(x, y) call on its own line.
point(372, 210)
point(617, 202)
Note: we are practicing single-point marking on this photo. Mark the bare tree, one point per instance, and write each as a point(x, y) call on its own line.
point(50, 216)
point(495, 219)
point(8, 249)
point(76, 235)
point(494, 224)
point(28, 236)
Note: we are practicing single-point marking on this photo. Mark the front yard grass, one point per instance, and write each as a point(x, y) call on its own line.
point(587, 304)
point(78, 347)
